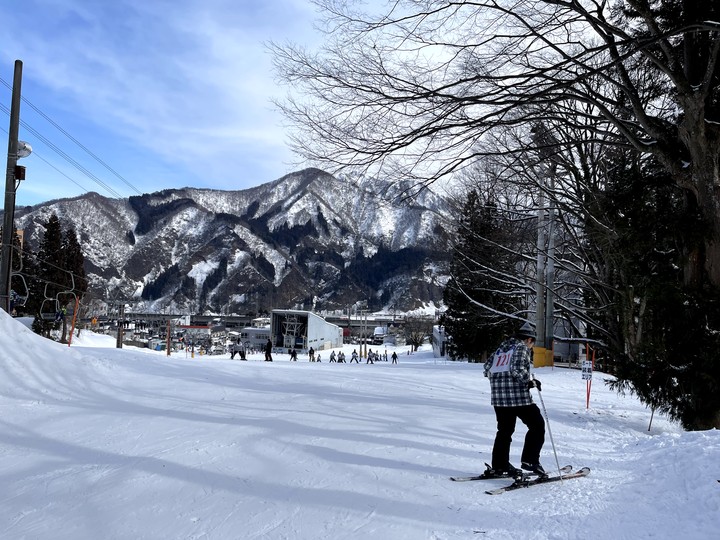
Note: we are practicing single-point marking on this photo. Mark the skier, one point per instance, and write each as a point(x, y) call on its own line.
point(394, 357)
point(354, 357)
point(268, 351)
point(510, 383)
point(332, 356)
point(237, 348)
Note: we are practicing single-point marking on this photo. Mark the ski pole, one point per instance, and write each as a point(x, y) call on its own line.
point(547, 421)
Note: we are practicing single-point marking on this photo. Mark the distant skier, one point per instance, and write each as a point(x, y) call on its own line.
point(394, 357)
point(268, 351)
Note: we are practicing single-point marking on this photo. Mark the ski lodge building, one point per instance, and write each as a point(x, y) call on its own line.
point(301, 330)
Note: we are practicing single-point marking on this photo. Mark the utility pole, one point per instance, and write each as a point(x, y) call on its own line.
point(550, 270)
point(540, 284)
point(545, 300)
point(120, 325)
point(118, 298)
point(10, 177)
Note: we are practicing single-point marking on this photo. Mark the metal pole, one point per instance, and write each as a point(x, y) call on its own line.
point(74, 319)
point(120, 327)
point(9, 219)
point(547, 422)
point(540, 286)
point(550, 267)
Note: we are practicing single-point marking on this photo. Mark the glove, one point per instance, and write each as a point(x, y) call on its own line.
point(534, 383)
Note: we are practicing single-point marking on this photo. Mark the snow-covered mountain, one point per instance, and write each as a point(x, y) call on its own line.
point(308, 239)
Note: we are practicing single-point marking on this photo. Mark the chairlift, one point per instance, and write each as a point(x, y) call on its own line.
point(70, 310)
point(49, 309)
point(19, 300)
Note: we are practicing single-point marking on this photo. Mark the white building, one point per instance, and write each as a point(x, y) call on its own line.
point(301, 330)
point(256, 335)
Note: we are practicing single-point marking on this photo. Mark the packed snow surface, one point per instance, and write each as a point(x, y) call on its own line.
point(103, 443)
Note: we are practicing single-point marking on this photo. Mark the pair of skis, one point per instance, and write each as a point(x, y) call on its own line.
point(525, 480)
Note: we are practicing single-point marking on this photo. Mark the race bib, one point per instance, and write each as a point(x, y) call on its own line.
point(501, 361)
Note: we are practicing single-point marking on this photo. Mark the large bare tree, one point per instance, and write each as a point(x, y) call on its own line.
point(416, 87)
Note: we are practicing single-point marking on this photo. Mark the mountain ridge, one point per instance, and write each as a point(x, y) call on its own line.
point(308, 239)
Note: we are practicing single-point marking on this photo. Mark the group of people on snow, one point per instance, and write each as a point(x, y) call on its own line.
point(240, 349)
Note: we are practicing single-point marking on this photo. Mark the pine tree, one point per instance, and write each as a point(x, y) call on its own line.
point(60, 277)
point(481, 292)
point(73, 262)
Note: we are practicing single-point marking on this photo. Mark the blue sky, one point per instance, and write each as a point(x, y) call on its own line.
point(167, 93)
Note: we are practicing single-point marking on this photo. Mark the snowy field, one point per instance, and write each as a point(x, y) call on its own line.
point(100, 443)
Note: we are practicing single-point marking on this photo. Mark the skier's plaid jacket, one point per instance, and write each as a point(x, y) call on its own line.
point(509, 373)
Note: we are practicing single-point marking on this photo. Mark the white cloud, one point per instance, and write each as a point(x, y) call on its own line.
point(187, 83)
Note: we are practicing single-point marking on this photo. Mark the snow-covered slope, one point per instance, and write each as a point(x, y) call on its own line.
point(104, 443)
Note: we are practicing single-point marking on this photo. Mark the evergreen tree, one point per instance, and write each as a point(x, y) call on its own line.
point(60, 277)
point(663, 329)
point(48, 268)
point(74, 277)
point(482, 294)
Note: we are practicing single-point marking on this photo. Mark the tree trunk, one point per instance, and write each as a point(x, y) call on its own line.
point(701, 180)
point(63, 337)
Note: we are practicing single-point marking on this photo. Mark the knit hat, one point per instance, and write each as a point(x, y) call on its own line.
point(526, 331)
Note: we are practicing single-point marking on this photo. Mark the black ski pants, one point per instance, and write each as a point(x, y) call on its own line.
point(534, 439)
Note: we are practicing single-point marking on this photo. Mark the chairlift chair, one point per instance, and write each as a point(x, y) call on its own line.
point(19, 300)
point(70, 311)
point(49, 309)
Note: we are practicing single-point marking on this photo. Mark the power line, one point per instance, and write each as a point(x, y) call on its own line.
point(75, 140)
point(36, 155)
point(45, 262)
point(90, 153)
point(65, 156)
